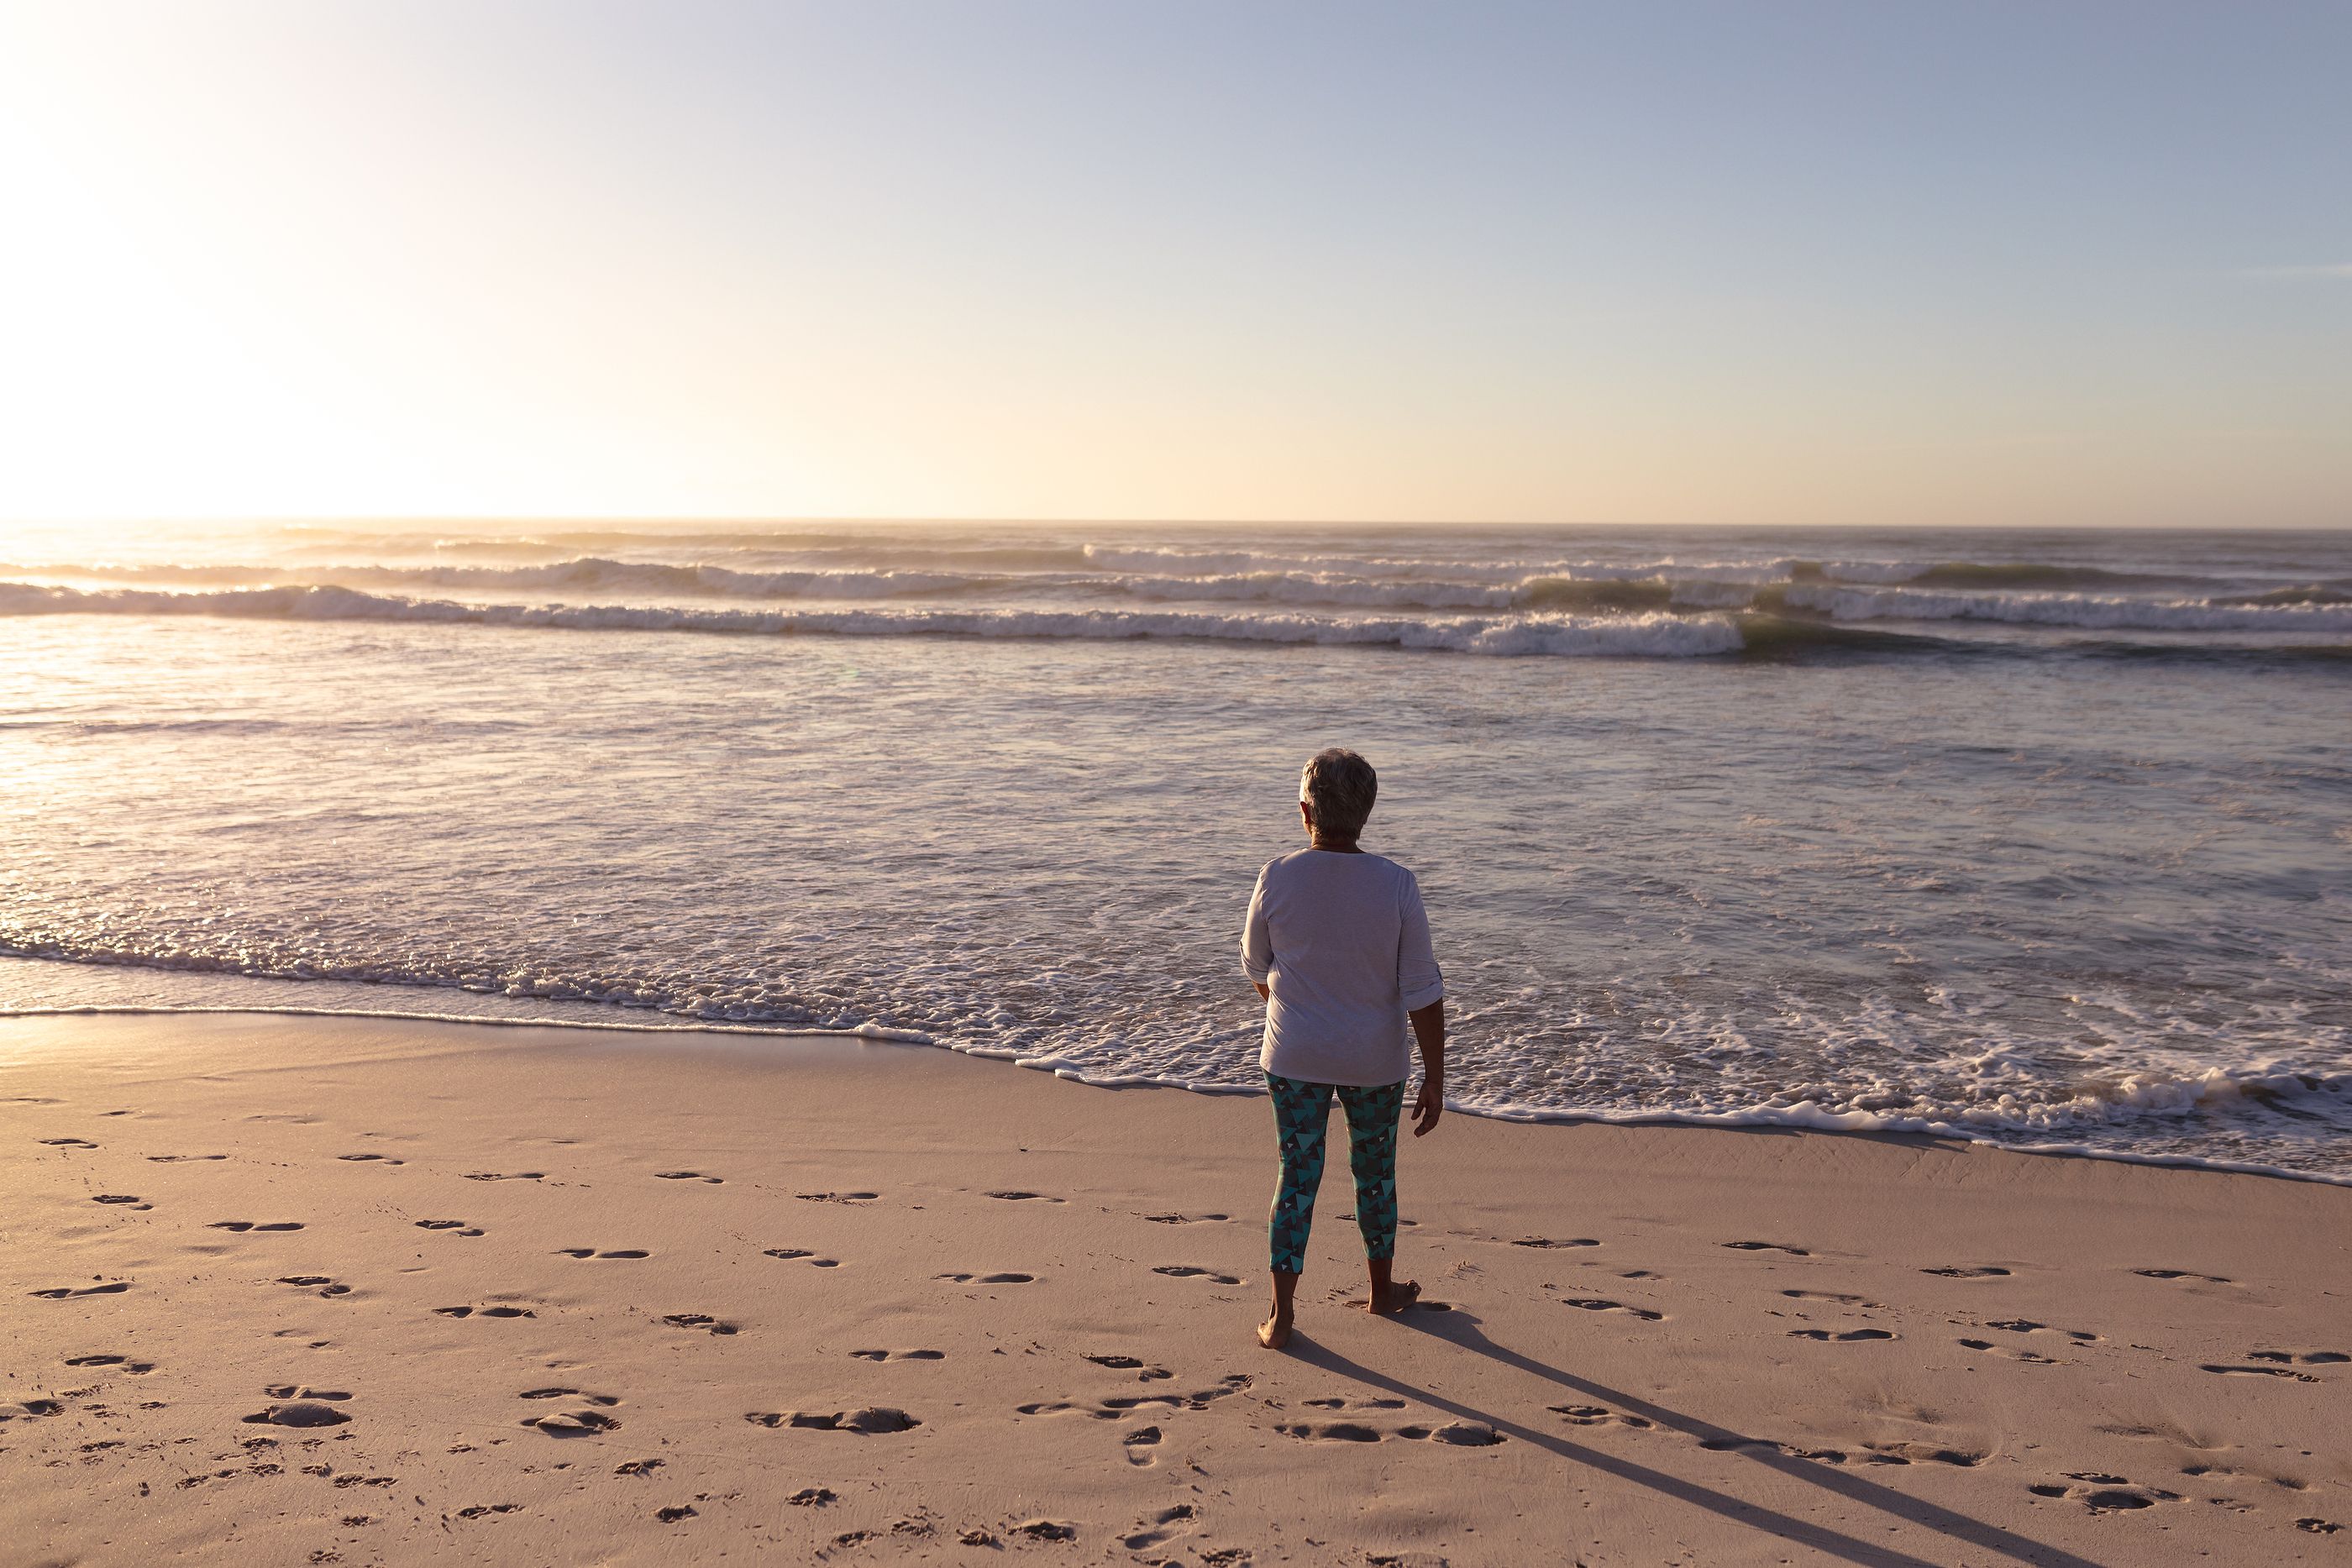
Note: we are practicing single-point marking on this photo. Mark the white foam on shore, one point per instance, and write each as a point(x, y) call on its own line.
point(860, 1031)
point(1806, 1116)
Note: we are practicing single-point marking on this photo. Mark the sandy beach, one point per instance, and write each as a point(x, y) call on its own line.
point(285, 1290)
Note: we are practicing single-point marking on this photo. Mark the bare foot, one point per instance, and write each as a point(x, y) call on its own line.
point(1394, 1297)
point(1274, 1332)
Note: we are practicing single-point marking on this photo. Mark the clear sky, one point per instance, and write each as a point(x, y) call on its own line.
point(2040, 262)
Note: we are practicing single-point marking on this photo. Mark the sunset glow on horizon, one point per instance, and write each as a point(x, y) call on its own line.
point(1702, 264)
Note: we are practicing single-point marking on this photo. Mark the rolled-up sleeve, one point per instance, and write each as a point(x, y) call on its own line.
point(1257, 943)
point(1418, 979)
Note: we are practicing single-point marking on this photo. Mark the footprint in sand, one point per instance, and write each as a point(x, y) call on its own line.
point(866, 1422)
point(1765, 1246)
point(330, 1287)
point(135, 1369)
point(117, 1197)
point(174, 1159)
point(1143, 1374)
point(1829, 1336)
point(1157, 1531)
point(1186, 1271)
point(592, 1252)
point(300, 1413)
point(1596, 1416)
point(47, 1407)
point(2308, 1357)
point(1126, 1405)
point(30, 1407)
point(1603, 1305)
point(242, 1226)
point(1967, 1271)
point(2181, 1274)
point(2261, 1371)
point(1922, 1454)
point(2103, 1493)
point(500, 1310)
point(506, 1175)
point(990, 1278)
point(2027, 1325)
point(1187, 1218)
point(1364, 1303)
point(60, 1292)
point(1544, 1241)
point(836, 1196)
point(899, 1355)
point(1842, 1299)
point(69, 1143)
point(1338, 1404)
point(387, 1159)
point(1756, 1448)
point(687, 1175)
point(636, 1467)
point(2025, 1356)
point(1455, 1434)
point(459, 1225)
point(569, 1394)
point(573, 1423)
point(1026, 1197)
point(790, 1253)
point(702, 1320)
point(295, 1391)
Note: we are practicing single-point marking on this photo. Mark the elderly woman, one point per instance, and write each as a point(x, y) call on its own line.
point(1337, 944)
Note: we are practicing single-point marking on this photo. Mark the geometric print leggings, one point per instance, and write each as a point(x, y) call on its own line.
point(1301, 1112)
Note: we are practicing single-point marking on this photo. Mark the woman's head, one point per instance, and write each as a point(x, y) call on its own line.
point(1336, 787)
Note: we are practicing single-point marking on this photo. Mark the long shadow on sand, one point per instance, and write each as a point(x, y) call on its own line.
point(1460, 1328)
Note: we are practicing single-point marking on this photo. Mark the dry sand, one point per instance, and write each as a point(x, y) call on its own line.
point(695, 1260)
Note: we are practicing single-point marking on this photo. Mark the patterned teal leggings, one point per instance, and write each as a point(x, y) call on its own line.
point(1301, 1111)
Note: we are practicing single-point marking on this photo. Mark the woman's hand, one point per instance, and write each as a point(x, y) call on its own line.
point(1428, 1104)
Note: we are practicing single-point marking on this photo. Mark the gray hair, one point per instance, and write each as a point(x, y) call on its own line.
point(1340, 786)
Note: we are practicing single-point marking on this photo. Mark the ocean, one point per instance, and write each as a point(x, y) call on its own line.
point(2037, 839)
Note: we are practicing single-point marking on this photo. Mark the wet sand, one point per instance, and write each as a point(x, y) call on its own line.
point(299, 1290)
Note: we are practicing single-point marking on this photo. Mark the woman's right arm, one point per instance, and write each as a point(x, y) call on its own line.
point(1257, 942)
point(1422, 986)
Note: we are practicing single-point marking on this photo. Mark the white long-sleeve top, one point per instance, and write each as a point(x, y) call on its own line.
point(1342, 942)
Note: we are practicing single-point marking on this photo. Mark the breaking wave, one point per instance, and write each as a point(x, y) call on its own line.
point(2091, 613)
point(1637, 636)
point(1579, 620)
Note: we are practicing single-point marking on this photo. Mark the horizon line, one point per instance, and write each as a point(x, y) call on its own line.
point(731, 520)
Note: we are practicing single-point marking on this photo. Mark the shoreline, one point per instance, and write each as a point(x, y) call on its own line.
point(1656, 1341)
point(1802, 1117)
